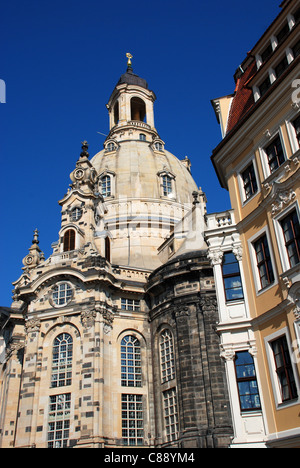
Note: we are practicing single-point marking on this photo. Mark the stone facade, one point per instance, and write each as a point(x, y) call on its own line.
point(111, 341)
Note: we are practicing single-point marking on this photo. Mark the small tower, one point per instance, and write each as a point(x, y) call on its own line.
point(131, 104)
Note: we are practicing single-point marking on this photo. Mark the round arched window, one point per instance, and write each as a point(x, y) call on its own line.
point(62, 294)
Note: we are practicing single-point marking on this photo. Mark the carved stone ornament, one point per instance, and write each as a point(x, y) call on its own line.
point(215, 257)
point(282, 199)
point(238, 252)
point(88, 318)
point(297, 313)
point(13, 348)
point(227, 354)
point(208, 304)
point(33, 325)
point(181, 313)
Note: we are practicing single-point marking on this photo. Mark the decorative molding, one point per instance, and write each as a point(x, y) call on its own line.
point(32, 325)
point(283, 198)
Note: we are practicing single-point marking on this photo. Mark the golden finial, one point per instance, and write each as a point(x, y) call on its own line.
point(129, 56)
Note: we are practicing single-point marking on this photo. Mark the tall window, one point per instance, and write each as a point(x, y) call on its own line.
point(296, 125)
point(62, 356)
point(167, 360)
point(291, 231)
point(275, 154)
point(106, 186)
point(59, 421)
point(171, 414)
point(107, 248)
point(264, 263)
point(131, 371)
point(167, 185)
point(232, 278)
point(284, 369)
point(246, 381)
point(132, 420)
point(69, 240)
point(266, 84)
point(249, 181)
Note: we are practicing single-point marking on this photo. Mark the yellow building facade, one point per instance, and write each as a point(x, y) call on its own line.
point(258, 162)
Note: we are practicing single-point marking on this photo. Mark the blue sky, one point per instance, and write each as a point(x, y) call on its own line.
point(61, 60)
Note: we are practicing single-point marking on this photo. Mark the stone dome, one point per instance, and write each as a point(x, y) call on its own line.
point(138, 169)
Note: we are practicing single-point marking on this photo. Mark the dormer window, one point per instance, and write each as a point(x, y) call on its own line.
point(110, 147)
point(106, 186)
point(283, 33)
point(265, 85)
point(167, 185)
point(266, 53)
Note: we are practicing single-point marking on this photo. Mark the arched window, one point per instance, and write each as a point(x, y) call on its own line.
point(106, 186)
point(116, 113)
point(62, 356)
point(131, 371)
point(69, 240)
point(138, 109)
point(167, 360)
point(110, 147)
point(142, 137)
point(107, 248)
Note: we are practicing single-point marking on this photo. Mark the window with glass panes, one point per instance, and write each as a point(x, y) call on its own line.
point(59, 421)
point(275, 154)
point(265, 85)
point(167, 185)
point(62, 356)
point(232, 278)
point(106, 186)
point(171, 414)
point(167, 360)
point(264, 263)
point(284, 369)
point(62, 294)
point(132, 420)
point(247, 382)
point(249, 180)
point(291, 232)
point(130, 304)
point(296, 125)
point(131, 370)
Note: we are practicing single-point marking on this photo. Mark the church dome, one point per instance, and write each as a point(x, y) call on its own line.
point(146, 189)
point(140, 171)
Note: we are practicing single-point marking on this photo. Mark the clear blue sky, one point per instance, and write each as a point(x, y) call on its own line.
point(61, 60)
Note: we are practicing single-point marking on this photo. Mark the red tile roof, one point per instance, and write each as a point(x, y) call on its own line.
point(243, 99)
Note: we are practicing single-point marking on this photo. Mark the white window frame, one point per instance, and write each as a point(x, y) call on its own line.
point(240, 170)
point(291, 132)
point(172, 194)
point(253, 257)
point(263, 155)
point(272, 368)
point(67, 300)
point(280, 236)
point(112, 177)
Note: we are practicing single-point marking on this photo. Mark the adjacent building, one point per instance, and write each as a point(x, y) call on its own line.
point(256, 254)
